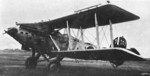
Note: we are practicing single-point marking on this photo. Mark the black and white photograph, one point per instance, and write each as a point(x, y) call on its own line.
point(74, 38)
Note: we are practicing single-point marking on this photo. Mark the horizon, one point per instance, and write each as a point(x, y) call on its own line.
point(35, 11)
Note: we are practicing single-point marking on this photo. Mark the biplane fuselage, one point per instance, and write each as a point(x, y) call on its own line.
point(44, 40)
point(30, 40)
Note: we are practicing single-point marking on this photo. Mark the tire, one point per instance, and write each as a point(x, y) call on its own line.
point(54, 67)
point(31, 63)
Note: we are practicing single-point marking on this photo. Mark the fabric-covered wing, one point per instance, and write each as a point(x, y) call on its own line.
point(103, 54)
point(85, 19)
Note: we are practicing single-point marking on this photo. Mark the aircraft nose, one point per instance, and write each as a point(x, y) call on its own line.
point(12, 31)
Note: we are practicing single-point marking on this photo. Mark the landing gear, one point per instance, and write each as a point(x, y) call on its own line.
point(31, 62)
point(54, 67)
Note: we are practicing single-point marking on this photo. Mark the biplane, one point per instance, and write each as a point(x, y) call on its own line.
point(45, 39)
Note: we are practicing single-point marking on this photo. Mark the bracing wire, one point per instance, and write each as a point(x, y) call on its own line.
point(104, 32)
point(102, 36)
point(73, 32)
point(78, 33)
point(93, 37)
point(87, 39)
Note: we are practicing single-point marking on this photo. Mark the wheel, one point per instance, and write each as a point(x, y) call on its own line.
point(54, 67)
point(31, 62)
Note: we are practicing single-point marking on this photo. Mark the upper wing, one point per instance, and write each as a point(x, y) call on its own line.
point(85, 19)
point(103, 54)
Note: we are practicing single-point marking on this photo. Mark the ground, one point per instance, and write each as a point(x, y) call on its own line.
point(12, 64)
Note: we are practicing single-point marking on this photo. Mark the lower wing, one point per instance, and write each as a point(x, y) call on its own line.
point(100, 54)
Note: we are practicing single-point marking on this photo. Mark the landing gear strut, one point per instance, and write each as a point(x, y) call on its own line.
point(54, 64)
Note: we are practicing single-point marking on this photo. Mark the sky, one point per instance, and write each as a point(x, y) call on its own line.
point(137, 33)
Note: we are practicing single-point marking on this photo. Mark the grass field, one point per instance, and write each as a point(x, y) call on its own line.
point(12, 64)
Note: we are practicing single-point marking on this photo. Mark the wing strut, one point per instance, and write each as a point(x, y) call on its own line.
point(82, 38)
point(97, 30)
point(68, 30)
point(111, 34)
point(55, 43)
